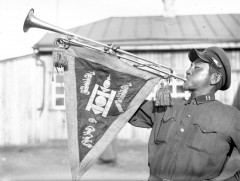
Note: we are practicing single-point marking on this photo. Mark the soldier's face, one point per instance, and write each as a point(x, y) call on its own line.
point(198, 76)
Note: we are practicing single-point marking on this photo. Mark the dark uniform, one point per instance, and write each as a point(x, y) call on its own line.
point(192, 139)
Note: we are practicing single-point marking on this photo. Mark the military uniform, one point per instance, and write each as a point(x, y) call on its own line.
point(192, 139)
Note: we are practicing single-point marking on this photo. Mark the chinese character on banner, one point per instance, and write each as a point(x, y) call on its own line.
point(102, 93)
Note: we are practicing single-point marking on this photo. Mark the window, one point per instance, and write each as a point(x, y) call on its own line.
point(176, 88)
point(58, 94)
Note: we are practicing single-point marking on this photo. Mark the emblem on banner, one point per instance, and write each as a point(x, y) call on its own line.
point(101, 98)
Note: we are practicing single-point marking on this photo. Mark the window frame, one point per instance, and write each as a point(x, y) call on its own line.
point(176, 82)
point(54, 95)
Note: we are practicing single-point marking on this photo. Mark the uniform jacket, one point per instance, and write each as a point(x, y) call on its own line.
point(191, 140)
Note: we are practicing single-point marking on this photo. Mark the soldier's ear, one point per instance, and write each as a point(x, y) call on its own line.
point(215, 78)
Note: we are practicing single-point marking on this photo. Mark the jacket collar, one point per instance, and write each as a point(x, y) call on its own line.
point(201, 99)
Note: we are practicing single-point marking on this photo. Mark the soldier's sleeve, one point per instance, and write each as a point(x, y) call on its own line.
point(235, 135)
point(145, 115)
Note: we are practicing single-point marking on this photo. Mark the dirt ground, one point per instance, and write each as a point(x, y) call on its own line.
point(50, 162)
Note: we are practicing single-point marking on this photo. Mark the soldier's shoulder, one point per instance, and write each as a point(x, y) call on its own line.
point(228, 108)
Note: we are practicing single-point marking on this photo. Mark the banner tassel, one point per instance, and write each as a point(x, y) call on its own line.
point(163, 95)
point(60, 58)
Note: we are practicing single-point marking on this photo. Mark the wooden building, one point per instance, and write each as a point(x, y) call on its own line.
point(32, 105)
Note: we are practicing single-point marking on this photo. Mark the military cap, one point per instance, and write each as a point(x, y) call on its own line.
point(218, 58)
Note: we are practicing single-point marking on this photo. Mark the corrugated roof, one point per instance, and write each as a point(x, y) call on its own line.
point(157, 30)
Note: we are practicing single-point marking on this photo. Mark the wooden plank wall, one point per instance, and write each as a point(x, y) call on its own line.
point(25, 115)
point(17, 100)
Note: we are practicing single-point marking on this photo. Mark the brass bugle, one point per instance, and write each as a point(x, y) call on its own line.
point(33, 22)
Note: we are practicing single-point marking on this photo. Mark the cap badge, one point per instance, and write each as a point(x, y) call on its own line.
point(217, 63)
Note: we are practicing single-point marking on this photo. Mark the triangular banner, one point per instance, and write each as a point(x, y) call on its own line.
point(102, 93)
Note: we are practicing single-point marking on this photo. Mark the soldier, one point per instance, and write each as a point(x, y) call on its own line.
point(192, 140)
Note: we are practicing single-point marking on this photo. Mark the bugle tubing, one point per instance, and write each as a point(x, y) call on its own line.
point(33, 22)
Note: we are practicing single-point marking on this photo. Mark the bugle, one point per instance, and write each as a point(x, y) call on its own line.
point(74, 39)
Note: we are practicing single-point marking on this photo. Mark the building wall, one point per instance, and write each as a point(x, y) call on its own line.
point(27, 113)
point(26, 116)
point(19, 100)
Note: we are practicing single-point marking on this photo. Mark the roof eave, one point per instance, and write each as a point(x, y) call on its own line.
point(162, 46)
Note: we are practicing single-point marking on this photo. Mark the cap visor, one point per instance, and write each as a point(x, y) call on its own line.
point(194, 55)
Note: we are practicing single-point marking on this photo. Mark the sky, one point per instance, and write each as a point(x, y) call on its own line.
point(71, 13)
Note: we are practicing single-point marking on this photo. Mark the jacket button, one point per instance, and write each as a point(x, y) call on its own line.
point(182, 130)
point(189, 116)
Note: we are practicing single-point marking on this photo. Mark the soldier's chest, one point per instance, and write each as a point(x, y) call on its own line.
point(194, 126)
